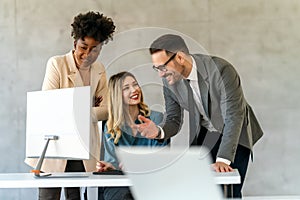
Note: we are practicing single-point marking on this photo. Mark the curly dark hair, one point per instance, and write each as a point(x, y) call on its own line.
point(92, 24)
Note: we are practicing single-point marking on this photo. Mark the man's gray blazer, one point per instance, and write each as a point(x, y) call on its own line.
point(223, 101)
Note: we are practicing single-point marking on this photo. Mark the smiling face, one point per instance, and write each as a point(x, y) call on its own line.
point(173, 70)
point(131, 91)
point(86, 51)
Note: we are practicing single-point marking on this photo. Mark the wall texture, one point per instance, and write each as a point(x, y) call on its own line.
point(260, 38)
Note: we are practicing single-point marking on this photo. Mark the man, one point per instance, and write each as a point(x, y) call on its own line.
point(210, 89)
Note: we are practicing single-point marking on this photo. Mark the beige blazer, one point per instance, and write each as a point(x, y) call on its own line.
point(61, 72)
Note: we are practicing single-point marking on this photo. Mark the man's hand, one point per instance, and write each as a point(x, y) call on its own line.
point(147, 129)
point(103, 166)
point(221, 167)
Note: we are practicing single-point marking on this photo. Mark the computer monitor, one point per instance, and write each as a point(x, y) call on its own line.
point(64, 113)
point(169, 173)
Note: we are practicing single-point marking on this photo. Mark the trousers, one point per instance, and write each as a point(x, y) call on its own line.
point(212, 141)
point(70, 193)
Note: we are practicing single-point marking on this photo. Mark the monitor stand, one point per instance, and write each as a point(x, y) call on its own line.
point(37, 170)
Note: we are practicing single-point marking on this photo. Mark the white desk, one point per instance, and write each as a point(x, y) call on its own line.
point(82, 179)
point(227, 178)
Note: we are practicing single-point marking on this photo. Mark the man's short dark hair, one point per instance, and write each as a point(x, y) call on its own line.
point(169, 43)
point(92, 24)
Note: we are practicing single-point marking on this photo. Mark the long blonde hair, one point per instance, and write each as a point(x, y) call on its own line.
point(116, 111)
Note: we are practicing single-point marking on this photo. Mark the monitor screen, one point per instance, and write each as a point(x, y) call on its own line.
point(61, 112)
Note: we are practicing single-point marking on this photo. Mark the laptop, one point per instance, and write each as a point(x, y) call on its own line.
point(164, 173)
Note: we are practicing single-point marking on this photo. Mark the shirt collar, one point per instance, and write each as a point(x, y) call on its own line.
point(193, 74)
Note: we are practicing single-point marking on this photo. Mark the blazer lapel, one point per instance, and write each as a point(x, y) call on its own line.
point(179, 91)
point(203, 85)
point(75, 78)
point(183, 94)
point(95, 77)
point(73, 75)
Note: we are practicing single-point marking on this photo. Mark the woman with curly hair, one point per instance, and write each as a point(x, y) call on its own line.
point(75, 69)
point(125, 103)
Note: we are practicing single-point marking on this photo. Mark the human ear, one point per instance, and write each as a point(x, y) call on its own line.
point(180, 57)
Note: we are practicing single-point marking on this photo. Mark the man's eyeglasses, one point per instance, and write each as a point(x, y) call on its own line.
point(162, 67)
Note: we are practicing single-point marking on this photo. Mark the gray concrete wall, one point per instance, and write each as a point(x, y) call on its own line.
point(260, 38)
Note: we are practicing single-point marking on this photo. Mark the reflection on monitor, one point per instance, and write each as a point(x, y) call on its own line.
point(64, 113)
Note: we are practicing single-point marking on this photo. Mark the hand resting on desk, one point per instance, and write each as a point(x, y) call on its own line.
point(106, 168)
point(103, 166)
point(221, 167)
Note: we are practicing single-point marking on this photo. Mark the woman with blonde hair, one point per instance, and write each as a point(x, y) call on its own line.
point(125, 103)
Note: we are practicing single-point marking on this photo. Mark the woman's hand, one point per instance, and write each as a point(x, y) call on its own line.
point(98, 100)
point(103, 166)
